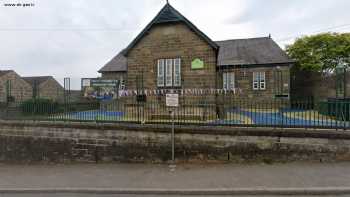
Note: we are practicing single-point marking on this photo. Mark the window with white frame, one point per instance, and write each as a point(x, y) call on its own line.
point(259, 81)
point(228, 79)
point(169, 72)
point(160, 72)
point(122, 83)
point(177, 72)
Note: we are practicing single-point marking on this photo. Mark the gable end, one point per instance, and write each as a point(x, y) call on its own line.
point(167, 15)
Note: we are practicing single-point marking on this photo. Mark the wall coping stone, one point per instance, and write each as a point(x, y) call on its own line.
point(191, 129)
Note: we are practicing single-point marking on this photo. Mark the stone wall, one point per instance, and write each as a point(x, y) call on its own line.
point(20, 89)
point(62, 142)
point(172, 41)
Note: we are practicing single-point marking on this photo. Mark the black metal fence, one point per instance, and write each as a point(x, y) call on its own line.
point(211, 110)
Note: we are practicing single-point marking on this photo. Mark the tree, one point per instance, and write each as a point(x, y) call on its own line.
point(322, 52)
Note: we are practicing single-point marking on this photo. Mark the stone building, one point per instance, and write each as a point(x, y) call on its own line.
point(116, 69)
point(45, 87)
point(13, 88)
point(172, 53)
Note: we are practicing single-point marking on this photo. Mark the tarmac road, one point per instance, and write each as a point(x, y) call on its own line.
point(200, 176)
point(93, 195)
point(185, 177)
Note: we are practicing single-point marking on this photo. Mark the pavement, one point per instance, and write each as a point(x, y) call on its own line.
point(113, 195)
point(302, 178)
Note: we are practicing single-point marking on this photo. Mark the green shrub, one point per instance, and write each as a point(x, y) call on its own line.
point(74, 107)
point(39, 106)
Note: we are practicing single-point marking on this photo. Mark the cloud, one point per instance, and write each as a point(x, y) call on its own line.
point(76, 38)
point(289, 19)
point(64, 38)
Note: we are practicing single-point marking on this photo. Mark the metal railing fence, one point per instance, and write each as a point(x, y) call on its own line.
point(209, 110)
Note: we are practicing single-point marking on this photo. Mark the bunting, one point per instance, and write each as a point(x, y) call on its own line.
point(189, 91)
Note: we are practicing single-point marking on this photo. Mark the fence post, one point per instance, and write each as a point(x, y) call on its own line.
point(348, 114)
point(172, 137)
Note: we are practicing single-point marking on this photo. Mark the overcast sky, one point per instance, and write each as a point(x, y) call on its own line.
point(75, 38)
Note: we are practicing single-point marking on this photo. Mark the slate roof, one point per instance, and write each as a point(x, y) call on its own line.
point(117, 64)
point(4, 72)
point(253, 51)
point(37, 79)
point(170, 14)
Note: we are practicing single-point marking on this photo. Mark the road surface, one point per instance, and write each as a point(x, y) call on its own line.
point(84, 195)
point(185, 176)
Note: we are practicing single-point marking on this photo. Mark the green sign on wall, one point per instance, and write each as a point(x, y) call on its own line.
point(197, 64)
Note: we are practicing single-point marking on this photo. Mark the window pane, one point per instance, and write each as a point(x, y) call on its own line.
point(262, 76)
point(259, 81)
point(177, 72)
point(232, 81)
point(255, 76)
point(262, 81)
point(224, 80)
point(255, 86)
point(160, 73)
point(169, 73)
point(122, 83)
point(228, 79)
point(262, 85)
point(255, 81)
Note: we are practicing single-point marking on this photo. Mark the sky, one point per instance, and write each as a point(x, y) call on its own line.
point(75, 38)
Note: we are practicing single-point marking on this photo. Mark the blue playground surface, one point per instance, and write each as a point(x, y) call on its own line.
point(93, 115)
point(276, 118)
point(279, 118)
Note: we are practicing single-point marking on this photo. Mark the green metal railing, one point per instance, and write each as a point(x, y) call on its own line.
point(214, 110)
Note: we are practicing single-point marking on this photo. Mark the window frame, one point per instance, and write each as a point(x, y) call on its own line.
point(177, 72)
point(122, 83)
point(228, 80)
point(169, 73)
point(166, 79)
point(259, 80)
point(262, 81)
point(160, 74)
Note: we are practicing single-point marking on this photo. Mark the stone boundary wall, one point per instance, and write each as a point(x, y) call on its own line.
point(28, 142)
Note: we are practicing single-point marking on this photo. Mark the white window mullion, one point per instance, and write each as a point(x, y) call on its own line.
point(169, 73)
point(177, 72)
point(160, 80)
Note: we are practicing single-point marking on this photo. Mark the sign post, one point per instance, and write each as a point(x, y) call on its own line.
point(172, 101)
